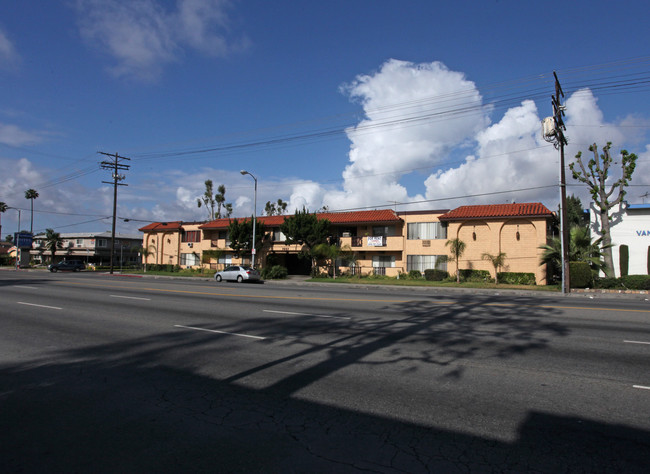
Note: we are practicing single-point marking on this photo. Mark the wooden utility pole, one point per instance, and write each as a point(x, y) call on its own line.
point(115, 166)
point(556, 136)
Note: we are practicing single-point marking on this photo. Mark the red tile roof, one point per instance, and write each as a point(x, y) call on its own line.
point(356, 217)
point(494, 211)
point(159, 226)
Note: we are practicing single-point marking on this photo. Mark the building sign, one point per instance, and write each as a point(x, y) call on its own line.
point(643, 233)
point(23, 240)
point(375, 241)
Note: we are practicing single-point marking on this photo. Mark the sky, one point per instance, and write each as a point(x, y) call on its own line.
point(344, 105)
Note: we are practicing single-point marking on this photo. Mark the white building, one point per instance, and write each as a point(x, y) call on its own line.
point(630, 226)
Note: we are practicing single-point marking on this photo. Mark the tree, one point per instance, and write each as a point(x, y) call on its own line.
point(31, 194)
point(305, 228)
point(240, 233)
point(207, 199)
point(146, 252)
point(595, 176)
point(53, 241)
point(581, 249)
point(3, 208)
point(497, 261)
point(456, 247)
point(273, 209)
point(329, 252)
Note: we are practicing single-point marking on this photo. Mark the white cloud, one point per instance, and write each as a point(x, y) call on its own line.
point(143, 37)
point(8, 55)
point(15, 136)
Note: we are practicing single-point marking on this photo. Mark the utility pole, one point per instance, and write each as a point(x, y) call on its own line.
point(115, 166)
point(553, 130)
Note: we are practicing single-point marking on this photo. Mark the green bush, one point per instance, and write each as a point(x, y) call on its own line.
point(516, 278)
point(635, 282)
point(475, 275)
point(276, 272)
point(435, 275)
point(624, 259)
point(607, 283)
point(415, 275)
point(581, 275)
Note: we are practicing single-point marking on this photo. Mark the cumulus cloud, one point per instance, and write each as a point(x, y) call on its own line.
point(414, 115)
point(8, 55)
point(425, 116)
point(142, 36)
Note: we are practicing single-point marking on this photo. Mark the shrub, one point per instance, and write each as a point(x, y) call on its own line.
point(635, 282)
point(435, 275)
point(475, 275)
point(607, 283)
point(517, 278)
point(624, 259)
point(581, 275)
point(276, 272)
point(415, 275)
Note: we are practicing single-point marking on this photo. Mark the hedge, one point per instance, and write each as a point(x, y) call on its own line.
point(581, 275)
point(435, 275)
point(475, 275)
point(516, 278)
point(629, 282)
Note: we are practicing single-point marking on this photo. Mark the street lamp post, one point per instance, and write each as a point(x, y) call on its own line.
point(18, 232)
point(244, 172)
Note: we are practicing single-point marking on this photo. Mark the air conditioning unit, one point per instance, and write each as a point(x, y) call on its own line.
point(346, 234)
point(190, 244)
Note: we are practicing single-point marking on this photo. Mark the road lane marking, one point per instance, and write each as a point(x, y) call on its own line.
point(24, 286)
point(130, 297)
point(641, 387)
point(39, 305)
point(218, 332)
point(637, 342)
point(306, 314)
point(359, 300)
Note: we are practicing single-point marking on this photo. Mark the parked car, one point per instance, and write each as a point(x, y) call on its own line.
point(238, 273)
point(70, 265)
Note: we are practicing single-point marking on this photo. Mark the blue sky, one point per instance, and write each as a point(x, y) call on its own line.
point(344, 104)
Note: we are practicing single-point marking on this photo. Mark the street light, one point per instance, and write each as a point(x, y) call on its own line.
point(244, 172)
point(16, 238)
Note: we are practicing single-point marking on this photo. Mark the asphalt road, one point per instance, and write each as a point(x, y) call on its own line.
point(103, 373)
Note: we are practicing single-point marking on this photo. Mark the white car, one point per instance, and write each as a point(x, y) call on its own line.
point(238, 273)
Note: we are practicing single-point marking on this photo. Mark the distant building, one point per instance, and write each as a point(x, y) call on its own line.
point(90, 247)
point(630, 227)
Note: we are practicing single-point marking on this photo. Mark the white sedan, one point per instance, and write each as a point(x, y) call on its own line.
point(238, 273)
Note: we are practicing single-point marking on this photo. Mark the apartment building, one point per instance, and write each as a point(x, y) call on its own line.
point(382, 242)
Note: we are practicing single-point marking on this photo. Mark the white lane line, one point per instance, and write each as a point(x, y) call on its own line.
point(38, 305)
point(130, 297)
point(306, 314)
point(637, 342)
point(24, 286)
point(641, 387)
point(218, 332)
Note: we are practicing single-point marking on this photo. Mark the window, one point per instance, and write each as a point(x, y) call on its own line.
point(383, 230)
point(426, 231)
point(189, 259)
point(191, 236)
point(383, 261)
point(101, 243)
point(278, 236)
point(425, 262)
point(79, 242)
point(225, 259)
point(223, 234)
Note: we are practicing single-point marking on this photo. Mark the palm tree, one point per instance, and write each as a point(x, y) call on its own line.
point(31, 194)
point(456, 247)
point(327, 252)
point(207, 199)
point(146, 252)
point(581, 249)
point(497, 261)
point(53, 241)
